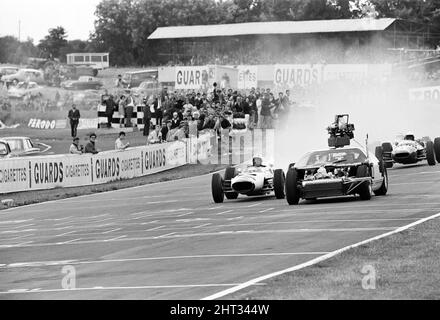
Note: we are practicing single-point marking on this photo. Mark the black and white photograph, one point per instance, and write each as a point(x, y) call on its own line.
point(219, 156)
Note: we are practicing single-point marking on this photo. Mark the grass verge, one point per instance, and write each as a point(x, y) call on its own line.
point(30, 197)
point(405, 264)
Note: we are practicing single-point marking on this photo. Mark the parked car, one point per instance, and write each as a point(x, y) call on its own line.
point(82, 83)
point(7, 70)
point(5, 150)
point(22, 89)
point(22, 75)
point(147, 88)
point(23, 146)
point(135, 78)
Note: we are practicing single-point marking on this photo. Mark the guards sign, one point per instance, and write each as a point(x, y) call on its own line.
point(291, 75)
point(191, 77)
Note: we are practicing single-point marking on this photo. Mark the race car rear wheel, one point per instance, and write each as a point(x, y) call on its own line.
point(364, 189)
point(217, 188)
point(292, 192)
point(379, 155)
point(384, 187)
point(387, 148)
point(278, 183)
point(430, 153)
point(437, 148)
point(230, 173)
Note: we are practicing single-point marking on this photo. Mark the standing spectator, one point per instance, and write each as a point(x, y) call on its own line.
point(109, 109)
point(286, 100)
point(175, 121)
point(215, 96)
point(122, 105)
point(129, 111)
point(266, 115)
point(187, 106)
point(119, 143)
point(164, 130)
point(74, 116)
point(90, 146)
point(209, 122)
point(104, 97)
point(279, 106)
point(237, 106)
point(157, 104)
point(246, 106)
point(146, 118)
point(75, 148)
point(119, 83)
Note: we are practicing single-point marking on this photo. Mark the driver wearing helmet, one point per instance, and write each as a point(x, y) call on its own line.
point(257, 162)
point(409, 136)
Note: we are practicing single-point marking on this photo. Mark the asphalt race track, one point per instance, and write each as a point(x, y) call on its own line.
point(170, 241)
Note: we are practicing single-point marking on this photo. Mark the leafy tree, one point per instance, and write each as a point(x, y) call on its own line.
point(14, 51)
point(53, 42)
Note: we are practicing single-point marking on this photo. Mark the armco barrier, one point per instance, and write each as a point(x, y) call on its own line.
point(47, 172)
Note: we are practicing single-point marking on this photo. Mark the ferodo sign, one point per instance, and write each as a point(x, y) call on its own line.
point(291, 75)
point(42, 124)
point(191, 77)
point(425, 94)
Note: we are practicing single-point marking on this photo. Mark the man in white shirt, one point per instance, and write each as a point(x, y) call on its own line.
point(120, 142)
point(74, 147)
point(155, 136)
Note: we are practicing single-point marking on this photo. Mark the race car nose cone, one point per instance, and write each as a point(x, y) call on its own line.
point(405, 157)
point(243, 186)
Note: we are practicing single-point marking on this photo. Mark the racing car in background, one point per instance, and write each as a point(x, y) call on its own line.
point(254, 180)
point(409, 150)
point(339, 170)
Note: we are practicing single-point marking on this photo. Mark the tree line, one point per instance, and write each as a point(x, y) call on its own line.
point(123, 26)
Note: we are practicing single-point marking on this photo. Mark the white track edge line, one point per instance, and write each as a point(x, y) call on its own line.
point(316, 260)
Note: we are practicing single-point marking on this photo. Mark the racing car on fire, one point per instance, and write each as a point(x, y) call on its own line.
point(409, 151)
point(254, 180)
point(340, 170)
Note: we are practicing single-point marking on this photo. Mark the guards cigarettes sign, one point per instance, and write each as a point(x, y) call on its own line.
point(291, 75)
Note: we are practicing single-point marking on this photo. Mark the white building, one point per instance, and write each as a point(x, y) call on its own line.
point(98, 60)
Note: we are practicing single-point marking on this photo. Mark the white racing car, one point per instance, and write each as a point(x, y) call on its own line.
point(409, 151)
point(254, 180)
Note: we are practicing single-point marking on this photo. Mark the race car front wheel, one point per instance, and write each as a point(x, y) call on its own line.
point(217, 188)
point(292, 192)
point(430, 153)
point(384, 187)
point(437, 148)
point(229, 174)
point(387, 148)
point(364, 189)
point(278, 183)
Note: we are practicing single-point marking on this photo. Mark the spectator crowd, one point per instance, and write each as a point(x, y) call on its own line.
point(169, 116)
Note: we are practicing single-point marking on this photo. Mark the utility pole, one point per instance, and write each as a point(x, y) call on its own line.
point(19, 30)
